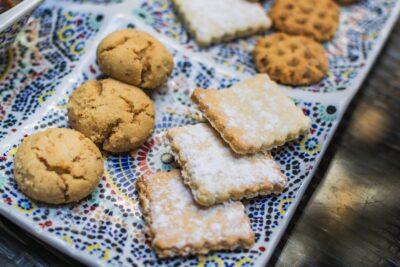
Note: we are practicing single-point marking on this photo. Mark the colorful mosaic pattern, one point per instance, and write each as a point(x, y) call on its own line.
point(8, 35)
point(108, 226)
point(46, 51)
point(103, 2)
point(109, 223)
point(361, 24)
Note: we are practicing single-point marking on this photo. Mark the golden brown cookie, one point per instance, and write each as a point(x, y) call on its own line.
point(135, 57)
point(317, 19)
point(57, 166)
point(116, 116)
point(292, 60)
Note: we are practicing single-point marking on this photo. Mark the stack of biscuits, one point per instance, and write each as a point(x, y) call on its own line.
point(197, 209)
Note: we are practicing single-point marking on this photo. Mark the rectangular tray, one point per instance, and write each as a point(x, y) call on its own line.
point(56, 52)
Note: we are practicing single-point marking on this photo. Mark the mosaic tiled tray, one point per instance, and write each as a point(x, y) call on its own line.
point(56, 52)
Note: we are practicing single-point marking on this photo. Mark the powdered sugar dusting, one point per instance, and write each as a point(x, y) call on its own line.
point(178, 221)
point(216, 18)
point(214, 168)
point(260, 111)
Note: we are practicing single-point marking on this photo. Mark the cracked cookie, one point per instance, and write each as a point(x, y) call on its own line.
point(135, 57)
point(57, 166)
point(291, 60)
point(317, 19)
point(116, 116)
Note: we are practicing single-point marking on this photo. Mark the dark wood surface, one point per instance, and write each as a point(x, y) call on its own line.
point(350, 215)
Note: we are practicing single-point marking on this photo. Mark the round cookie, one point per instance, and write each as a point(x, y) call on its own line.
point(317, 19)
point(291, 60)
point(57, 166)
point(135, 57)
point(116, 116)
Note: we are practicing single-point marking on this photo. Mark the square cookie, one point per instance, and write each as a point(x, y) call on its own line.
point(215, 173)
point(213, 21)
point(178, 226)
point(253, 115)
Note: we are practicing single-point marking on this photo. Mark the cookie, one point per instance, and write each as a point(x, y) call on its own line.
point(291, 60)
point(253, 115)
point(57, 166)
point(135, 57)
point(215, 21)
point(215, 173)
point(317, 19)
point(178, 226)
point(116, 116)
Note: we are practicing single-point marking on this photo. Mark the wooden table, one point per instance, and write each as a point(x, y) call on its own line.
point(350, 215)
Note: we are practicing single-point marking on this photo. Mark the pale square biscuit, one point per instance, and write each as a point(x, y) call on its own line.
point(253, 115)
point(215, 173)
point(213, 21)
point(178, 226)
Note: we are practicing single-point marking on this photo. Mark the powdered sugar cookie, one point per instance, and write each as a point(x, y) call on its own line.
point(214, 21)
point(215, 173)
point(253, 115)
point(178, 226)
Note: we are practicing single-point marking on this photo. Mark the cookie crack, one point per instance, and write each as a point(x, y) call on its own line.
point(139, 111)
point(76, 159)
point(146, 70)
point(111, 130)
point(59, 171)
point(117, 44)
point(100, 88)
point(65, 189)
point(90, 103)
point(135, 112)
point(131, 106)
